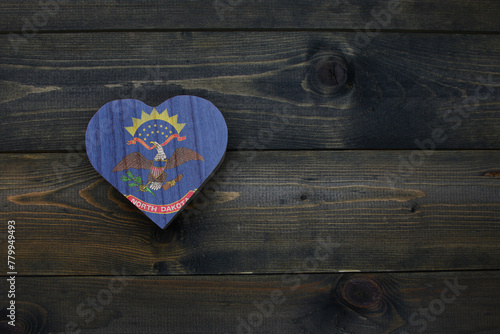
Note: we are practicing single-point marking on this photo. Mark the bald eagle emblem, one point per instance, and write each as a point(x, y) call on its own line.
point(157, 177)
point(162, 128)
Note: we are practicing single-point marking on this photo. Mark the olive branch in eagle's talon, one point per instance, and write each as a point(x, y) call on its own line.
point(137, 182)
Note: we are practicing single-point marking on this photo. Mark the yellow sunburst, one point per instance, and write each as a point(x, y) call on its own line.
point(138, 122)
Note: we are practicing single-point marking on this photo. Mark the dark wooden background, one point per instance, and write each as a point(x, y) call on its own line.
point(320, 125)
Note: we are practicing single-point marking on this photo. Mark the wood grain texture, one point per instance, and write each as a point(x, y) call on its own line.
point(264, 212)
point(381, 239)
point(277, 90)
point(445, 15)
point(314, 303)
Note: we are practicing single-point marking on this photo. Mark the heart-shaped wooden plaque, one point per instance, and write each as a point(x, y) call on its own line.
point(157, 157)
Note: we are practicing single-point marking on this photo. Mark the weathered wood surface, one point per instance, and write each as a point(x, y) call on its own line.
point(280, 85)
point(287, 75)
point(265, 212)
point(435, 15)
point(441, 302)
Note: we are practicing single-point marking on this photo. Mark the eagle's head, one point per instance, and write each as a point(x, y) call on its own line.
point(161, 154)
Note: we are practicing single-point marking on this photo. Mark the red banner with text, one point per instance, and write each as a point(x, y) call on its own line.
point(161, 209)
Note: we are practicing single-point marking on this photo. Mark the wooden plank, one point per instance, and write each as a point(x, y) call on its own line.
point(451, 15)
point(264, 212)
point(280, 90)
point(441, 302)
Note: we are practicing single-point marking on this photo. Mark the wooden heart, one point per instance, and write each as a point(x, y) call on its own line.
point(157, 157)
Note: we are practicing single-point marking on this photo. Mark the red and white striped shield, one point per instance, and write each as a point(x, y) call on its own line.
point(156, 171)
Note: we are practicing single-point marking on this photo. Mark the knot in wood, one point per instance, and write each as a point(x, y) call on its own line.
point(164, 236)
point(362, 293)
point(30, 318)
point(328, 75)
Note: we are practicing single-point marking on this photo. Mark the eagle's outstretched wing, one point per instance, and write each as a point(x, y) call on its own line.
point(180, 156)
point(133, 160)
